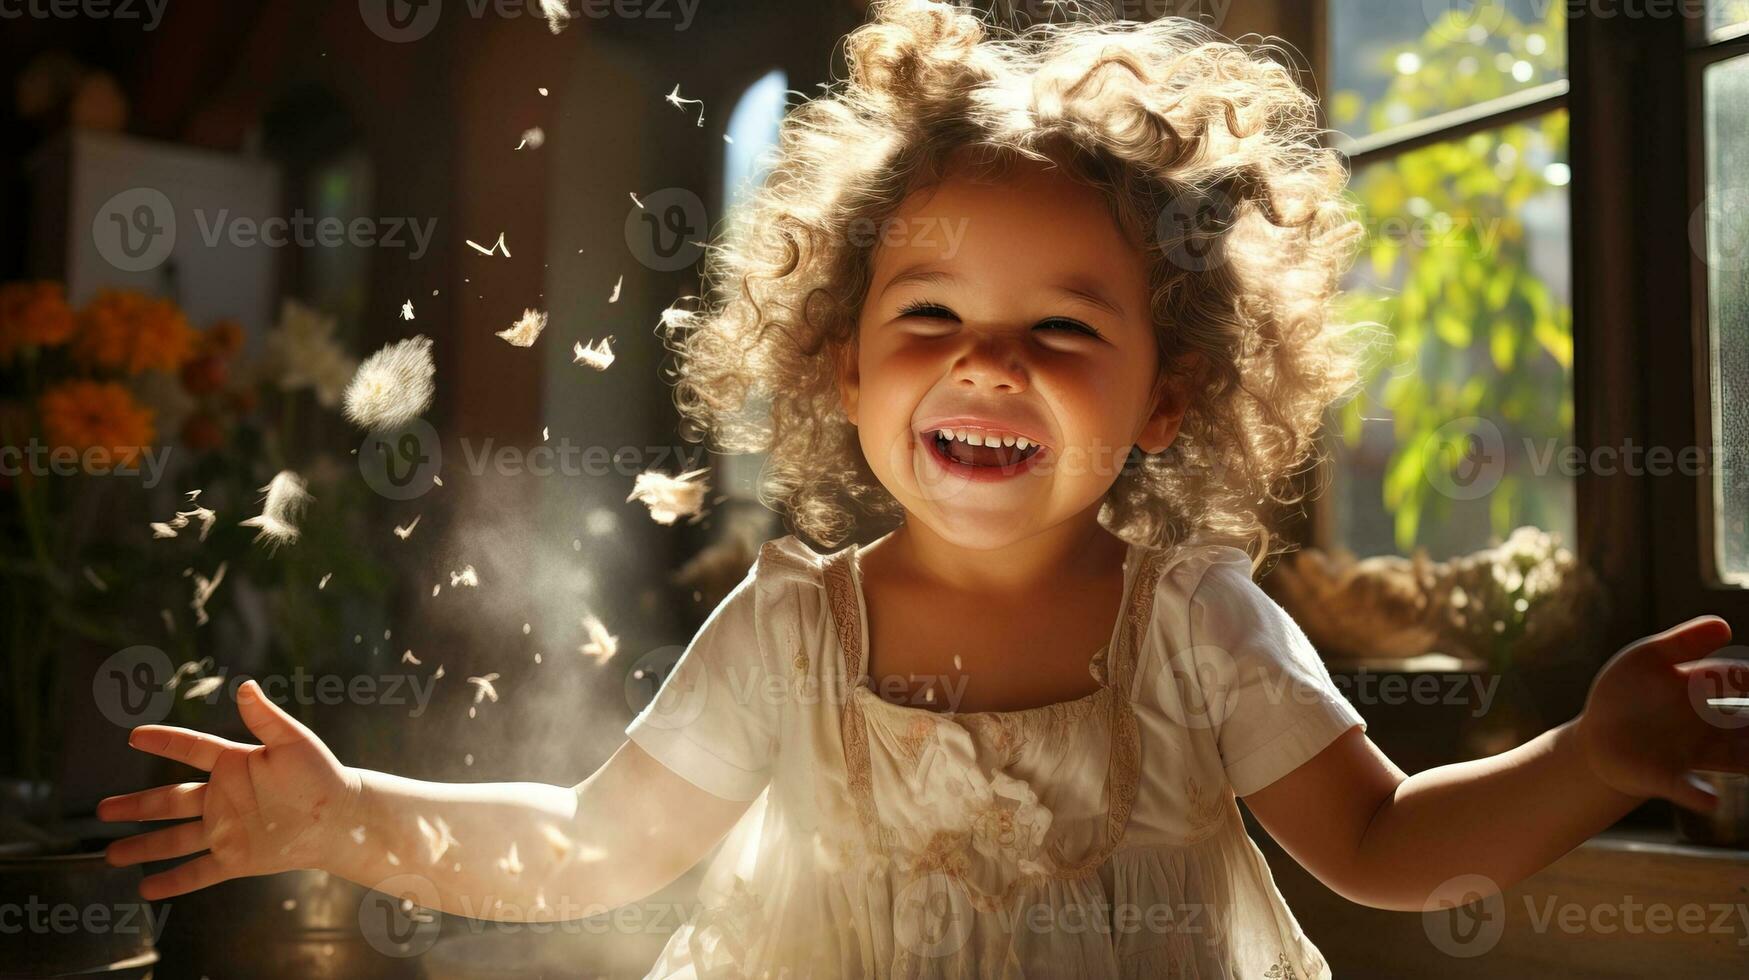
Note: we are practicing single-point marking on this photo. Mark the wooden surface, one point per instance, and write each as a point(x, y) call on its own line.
point(1629, 904)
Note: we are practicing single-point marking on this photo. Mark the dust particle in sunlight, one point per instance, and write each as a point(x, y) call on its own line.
point(635, 200)
point(468, 760)
point(203, 687)
point(598, 357)
point(600, 523)
point(435, 589)
point(526, 329)
point(467, 576)
point(169, 528)
point(406, 532)
point(169, 620)
point(524, 629)
point(408, 658)
point(393, 860)
point(670, 497)
point(602, 645)
point(284, 501)
point(438, 675)
point(545, 433)
point(617, 283)
point(532, 138)
point(358, 834)
point(393, 386)
point(436, 481)
point(407, 310)
point(324, 582)
point(510, 864)
point(497, 246)
point(542, 90)
point(677, 102)
point(483, 688)
point(438, 839)
point(289, 904)
point(203, 590)
point(96, 583)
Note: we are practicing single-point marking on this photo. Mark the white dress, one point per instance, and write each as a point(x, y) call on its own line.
point(1099, 837)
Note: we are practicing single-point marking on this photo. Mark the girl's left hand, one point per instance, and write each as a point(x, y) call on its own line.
point(1647, 723)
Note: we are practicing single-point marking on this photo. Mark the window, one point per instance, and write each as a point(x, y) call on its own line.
point(748, 142)
point(1455, 126)
point(1719, 233)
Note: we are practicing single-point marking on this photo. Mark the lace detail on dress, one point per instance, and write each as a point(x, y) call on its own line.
point(1003, 731)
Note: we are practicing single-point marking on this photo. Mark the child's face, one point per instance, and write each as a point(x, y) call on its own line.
point(982, 315)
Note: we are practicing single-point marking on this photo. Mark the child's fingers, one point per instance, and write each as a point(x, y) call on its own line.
point(1690, 640)
point(177, 802)
point(268, 721)
point(188, 876)
point(1686, 790)
point(198, 749)
point(157, 845)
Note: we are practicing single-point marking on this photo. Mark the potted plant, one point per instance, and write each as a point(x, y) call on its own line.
point(134, 446)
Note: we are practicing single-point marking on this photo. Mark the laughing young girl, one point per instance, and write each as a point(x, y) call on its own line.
point(1050, 312)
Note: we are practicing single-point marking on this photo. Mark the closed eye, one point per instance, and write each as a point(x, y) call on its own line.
point(935, 311)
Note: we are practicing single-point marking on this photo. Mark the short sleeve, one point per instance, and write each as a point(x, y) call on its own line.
point(1269, 695)
point(713, 721)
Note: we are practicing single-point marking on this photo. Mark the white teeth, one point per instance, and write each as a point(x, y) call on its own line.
point(974, 437)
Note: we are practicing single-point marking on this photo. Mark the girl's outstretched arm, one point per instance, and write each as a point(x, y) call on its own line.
point(627, 830)
point(1412, 843)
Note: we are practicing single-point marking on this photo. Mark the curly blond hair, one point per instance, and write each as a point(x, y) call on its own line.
point(1208, 155)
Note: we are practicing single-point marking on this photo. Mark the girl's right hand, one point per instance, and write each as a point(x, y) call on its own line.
point(266, 808)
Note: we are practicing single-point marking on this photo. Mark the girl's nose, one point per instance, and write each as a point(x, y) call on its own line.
point(992, 362)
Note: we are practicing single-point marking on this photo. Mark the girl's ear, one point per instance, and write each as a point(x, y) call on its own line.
point(1171, 399)
point(849, 380)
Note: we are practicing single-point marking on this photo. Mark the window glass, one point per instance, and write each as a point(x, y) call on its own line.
point(1397, 61)
point(1464, 428)
point(1722, 241)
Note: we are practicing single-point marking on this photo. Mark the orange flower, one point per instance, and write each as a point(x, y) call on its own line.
point(224, 338)
point(96, 414)
point(33, 314)
point(131, 332)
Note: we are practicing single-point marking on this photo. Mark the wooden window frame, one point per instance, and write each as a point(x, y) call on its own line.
point(1634, 102)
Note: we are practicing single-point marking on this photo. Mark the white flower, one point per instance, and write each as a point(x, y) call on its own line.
point(304, 354)
point(393, 386)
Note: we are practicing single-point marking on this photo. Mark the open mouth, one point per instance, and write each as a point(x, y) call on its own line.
point(982, 449)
